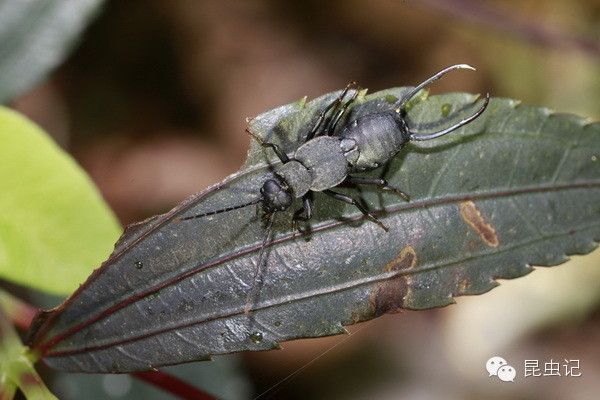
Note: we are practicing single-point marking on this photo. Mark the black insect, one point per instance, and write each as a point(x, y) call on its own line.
point(327, 160)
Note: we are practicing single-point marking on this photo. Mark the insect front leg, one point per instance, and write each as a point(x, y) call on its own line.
point(380, 183)
point(278, 151)
point(357, 204)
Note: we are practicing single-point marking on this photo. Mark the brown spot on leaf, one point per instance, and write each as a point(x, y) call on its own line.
point(388, 296)
point(472, 216)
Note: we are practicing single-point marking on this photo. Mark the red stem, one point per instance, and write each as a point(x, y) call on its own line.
point(24, 318)
point(173, 385)
point(19, 312)
point(22, 313)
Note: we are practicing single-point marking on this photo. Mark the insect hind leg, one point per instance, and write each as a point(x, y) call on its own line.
point(337, 118)
point(378, 182)
point(332, 106)
point(357, 204)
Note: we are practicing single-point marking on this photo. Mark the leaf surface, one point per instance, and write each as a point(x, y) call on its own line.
point(54, 226)
point(519, 186)
point(35, 36)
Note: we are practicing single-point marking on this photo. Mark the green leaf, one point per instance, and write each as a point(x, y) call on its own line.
point(35, 36)
point(54, 226)
point(519, 186)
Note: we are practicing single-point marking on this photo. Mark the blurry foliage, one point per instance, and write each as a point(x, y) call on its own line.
point(36, 36)
point(54, 227)
point(221, 377)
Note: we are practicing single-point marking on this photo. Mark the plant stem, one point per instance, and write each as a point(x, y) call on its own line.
point(16, 367)
point(19, 312)
point(7, 390)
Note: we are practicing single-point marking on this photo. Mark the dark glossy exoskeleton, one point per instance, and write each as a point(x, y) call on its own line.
point(327, 160)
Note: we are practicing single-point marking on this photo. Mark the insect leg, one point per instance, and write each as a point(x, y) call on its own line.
point(334, 104)
point(280, 153)
point(257, 280)
point(305, 213)
point(381, 183)
point(336, 119)
point(357, 204)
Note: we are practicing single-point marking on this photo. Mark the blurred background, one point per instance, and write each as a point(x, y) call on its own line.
point(153, 104)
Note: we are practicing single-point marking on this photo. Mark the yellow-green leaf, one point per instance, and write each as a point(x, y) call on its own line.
point(54, 226)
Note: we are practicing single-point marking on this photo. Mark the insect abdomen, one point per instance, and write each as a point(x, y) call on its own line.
point(378, 138)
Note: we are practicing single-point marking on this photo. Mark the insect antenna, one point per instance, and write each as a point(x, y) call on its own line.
point(257, 279)
point(415, 136)
point(222, 210)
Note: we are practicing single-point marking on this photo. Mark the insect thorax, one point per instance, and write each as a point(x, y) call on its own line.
point(325, 162)
point(296, 176)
